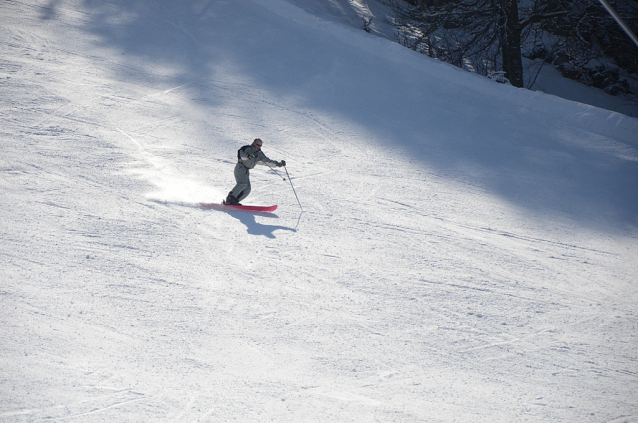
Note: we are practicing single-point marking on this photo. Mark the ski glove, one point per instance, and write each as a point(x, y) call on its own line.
point(282, 163)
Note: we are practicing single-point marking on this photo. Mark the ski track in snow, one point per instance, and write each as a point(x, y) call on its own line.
point(410, 288)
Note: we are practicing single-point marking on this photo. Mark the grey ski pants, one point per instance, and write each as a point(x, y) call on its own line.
point(242, 177)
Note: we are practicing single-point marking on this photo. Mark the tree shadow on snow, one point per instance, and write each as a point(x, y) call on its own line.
point(536, 152)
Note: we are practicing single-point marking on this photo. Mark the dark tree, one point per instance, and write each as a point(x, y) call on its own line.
point(488, 36)
point(509, 28)
point(590, 46)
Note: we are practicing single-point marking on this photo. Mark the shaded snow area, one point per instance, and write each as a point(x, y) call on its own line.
point(466, 251)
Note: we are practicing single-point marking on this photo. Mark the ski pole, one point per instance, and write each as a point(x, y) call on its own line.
point(293, 187)
point(274, 170)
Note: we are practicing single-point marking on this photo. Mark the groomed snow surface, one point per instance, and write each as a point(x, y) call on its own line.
point(467, 251)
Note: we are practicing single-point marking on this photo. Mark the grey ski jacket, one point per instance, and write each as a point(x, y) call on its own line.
point(250, 158)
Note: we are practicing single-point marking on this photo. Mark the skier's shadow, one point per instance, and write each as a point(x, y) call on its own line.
point(255, 228)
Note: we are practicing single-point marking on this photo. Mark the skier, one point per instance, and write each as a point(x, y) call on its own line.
point(247, 157)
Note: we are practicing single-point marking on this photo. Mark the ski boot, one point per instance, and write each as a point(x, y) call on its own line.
point(231, 201)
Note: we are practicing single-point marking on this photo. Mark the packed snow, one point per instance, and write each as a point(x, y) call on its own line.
point(461, 250)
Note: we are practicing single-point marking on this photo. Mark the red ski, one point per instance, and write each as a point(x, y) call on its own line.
point(259, 209)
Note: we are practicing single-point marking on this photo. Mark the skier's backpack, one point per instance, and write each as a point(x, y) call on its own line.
point(240, 150)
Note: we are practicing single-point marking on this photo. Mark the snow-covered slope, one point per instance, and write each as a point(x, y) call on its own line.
point(467, 251)
point(375, 16)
